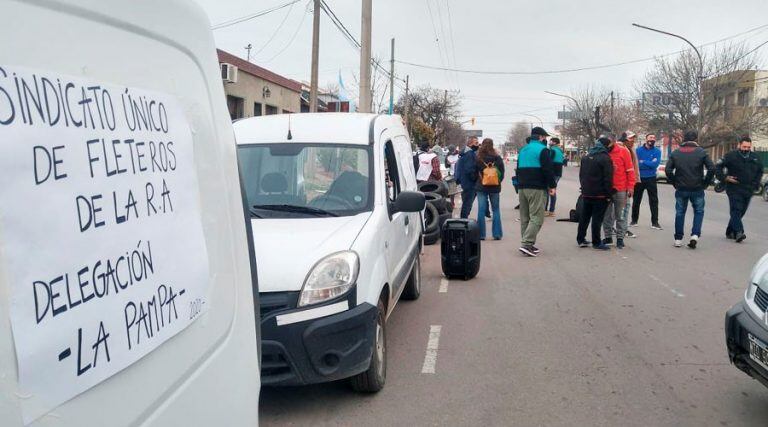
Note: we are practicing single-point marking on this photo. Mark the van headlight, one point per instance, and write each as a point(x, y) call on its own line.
point(330, 277)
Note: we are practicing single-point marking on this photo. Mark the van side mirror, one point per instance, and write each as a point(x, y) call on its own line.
point(409, 201)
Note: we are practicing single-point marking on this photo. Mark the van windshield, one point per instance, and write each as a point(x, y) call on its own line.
point(306, 180)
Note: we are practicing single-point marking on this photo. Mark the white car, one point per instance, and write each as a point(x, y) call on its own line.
point(746, 326)
point(337, 231)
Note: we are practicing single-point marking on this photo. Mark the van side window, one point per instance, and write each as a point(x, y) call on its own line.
point(390, 172)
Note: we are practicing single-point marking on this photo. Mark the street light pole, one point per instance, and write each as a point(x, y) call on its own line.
point(700, 77)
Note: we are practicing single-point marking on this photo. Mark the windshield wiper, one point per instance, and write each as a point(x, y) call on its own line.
point(296, 209)
point(254, 214)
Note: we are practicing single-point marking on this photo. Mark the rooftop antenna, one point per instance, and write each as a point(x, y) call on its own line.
point(290, 137)
point(248, 48)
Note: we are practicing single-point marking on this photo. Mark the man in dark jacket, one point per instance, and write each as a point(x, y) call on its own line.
point(466, 176)
point(536, 178)
point(741, 170)
point(685, 171)
point(596, 178)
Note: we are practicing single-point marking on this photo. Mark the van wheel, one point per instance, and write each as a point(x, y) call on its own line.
point(412, 289)
point(372, 380)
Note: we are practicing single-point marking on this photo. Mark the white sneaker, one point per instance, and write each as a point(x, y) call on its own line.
point(678, 243)
point(693, 242)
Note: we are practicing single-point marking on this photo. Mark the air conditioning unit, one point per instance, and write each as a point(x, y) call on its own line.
point(228, 73)
point(763, 102)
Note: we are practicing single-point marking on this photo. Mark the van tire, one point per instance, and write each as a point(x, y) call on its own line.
point(438, 187)
point(372, 380)
point(432, 238)
point(431, 219)
point(412, 289)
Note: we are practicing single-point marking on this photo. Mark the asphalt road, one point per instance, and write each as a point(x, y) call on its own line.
point(575, 337)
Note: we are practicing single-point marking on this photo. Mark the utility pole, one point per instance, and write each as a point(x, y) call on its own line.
point(612, 109)
point(365, 58)
point(248, 49)
point(392, 79)
point(407, 106)
point(315, 57)
point(445, 114)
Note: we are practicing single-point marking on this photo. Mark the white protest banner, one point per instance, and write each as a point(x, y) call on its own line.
point(102, 239)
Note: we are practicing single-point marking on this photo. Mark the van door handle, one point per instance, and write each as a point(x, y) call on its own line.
point(407, 220)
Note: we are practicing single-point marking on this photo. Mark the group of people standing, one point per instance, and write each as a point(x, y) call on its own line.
point(612, 173)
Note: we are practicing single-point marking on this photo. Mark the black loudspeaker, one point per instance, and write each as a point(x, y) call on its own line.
point(460, 248)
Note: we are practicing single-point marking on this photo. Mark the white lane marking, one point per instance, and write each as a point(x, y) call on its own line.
point(430, 358)
point(443, 285)
point(669, 288)
point(313, 313)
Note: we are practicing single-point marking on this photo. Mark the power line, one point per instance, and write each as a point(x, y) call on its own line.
point(252, 16)
point(274, 33)
point(570, 70)
point(293, 37)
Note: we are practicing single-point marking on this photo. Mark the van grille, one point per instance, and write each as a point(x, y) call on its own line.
point(761, 298)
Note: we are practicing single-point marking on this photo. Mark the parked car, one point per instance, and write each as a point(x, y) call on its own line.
point(763, 187)
point(178, 346)
point(746, 333)
point(337, 230)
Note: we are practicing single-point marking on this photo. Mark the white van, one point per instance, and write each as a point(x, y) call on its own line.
point(337, 230)
point(126, 286)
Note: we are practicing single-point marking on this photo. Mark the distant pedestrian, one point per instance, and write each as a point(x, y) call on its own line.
point(557, 165)
point(466, 176)
point(741, 170)
point(648, 157)
point(429, 165)
point(685, 171)
point(451, 159)
point(536, 178)
point(615, 222)
point(596, 179)
point(490, 167)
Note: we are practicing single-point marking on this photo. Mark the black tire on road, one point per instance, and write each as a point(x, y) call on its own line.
point(412, 289)
point(432, 238)
point(372, 380)
point(431, 219)
point(437, 201)
point(438, 187)
point(759, 191)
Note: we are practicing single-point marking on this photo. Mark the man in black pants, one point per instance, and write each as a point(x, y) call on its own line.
point(741, 170)
point(596, 178)
point(648, 158)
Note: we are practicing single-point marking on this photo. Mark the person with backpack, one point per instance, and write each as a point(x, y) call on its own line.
point(535, 178)
point(685, 171)
point(490, 167)
point(596, 179)
point(741, 171)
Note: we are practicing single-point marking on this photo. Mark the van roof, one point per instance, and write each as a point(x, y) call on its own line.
point(345, 128)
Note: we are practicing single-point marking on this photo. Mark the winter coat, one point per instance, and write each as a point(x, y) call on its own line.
point(748, 170)
point(534, 167)
point(623, 168)
point(466, 169)
point(685, 168)
point(596, 174)
point(649, 159)
point(557, 160)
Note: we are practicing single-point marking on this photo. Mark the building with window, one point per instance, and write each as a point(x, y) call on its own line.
point(739, 100)
point(255, 91)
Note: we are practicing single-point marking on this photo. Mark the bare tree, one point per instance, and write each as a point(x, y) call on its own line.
point(595, 111)
point(676, 81)
point(438, 109)
point(517, 135)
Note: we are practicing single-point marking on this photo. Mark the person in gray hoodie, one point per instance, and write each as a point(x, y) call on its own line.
point(685, 171)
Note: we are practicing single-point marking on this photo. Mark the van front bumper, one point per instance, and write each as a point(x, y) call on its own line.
point(739, 323)
point(317, 350)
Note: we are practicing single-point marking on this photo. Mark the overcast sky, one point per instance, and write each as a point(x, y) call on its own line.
point(489, 35)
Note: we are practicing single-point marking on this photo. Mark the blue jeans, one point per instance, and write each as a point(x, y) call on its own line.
point(482, 208)
point(696, 198)
point(467, 200)
point(552, 200)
